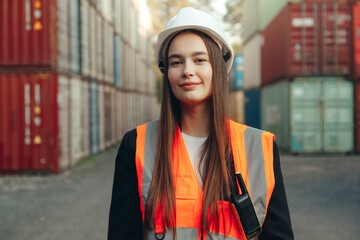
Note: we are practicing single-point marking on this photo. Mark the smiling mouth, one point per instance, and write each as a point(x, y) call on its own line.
point(189, 85)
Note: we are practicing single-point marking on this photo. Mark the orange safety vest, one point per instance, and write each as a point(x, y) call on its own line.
point(252, 151)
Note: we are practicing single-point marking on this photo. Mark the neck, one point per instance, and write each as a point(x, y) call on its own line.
point(195, 119)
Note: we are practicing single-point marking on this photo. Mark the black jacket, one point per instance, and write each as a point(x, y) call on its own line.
point(125, 220)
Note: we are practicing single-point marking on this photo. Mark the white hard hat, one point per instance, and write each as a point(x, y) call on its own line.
point(190, 18)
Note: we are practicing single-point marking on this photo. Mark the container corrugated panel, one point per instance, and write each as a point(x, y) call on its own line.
point(107, 116)
point(117, 16)
point(236, 73)
point(29, 122)
point(252, 108)
point(118, 73)
point(63, 99)
point(27, 31)
point(85, 118)
point(94, 111)
point(63, 36)
point(75, 36)
point(274, 106)
point(306, 114)
point(356, 40)
point(99, 56)
point(114, 106)
point(85, 38)
point(237, 105)
point(307, 40)
point(338, 115)
point(107, 10)
point(252, 62)
point(93, 42)
point(357, 115)
point(101, 107)
point(76, 119)
point(109, 53)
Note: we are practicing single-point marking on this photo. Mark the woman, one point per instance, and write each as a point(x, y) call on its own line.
point(174, 177)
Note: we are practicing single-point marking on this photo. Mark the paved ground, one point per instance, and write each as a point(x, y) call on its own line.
point(323, 195)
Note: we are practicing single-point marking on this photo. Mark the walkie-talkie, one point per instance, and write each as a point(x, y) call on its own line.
point(245, 209)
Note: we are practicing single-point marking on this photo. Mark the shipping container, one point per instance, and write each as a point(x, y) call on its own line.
point(118, 62)
point(317, 118)
point(274, 104)
point(252, 62)
point(307, 40)
point(237, 105)
point(63, 98)
point(85, 146)
point(101, 109)
point(357, 116)
point(29, 122)
point(76, 119)
point(94, 120)
point(75, 41)
point(252, 108)
point(85, 38)
point(236, 73)
point(356, 40)
point(35, 34)
point(108, 53)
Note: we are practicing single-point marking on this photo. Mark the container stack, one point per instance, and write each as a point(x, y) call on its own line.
point(356, 75)
point(74, 76)
point(305, 75)
point(237, 98)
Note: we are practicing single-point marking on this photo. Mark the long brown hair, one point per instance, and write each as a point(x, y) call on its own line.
point(215, 153)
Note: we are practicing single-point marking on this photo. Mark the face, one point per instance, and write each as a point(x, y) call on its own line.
point(190, 71)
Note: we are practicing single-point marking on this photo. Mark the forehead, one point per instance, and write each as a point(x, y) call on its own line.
point(187, 42)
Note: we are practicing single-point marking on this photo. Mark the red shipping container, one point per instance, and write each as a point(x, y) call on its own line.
point(356, 40)
point(34, 33)
point(307, 40)
point(357, 116)
point(29, 122)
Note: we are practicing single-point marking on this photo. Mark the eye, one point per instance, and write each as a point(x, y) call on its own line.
point(200, 60)
point(174, 62)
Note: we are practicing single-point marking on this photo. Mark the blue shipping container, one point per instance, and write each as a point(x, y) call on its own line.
point(75, 36)
point(252, 108)
point(236, 76)
point(117, 61)
point(94, 119)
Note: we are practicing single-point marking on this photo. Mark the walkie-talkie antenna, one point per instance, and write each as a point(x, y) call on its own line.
point(241, 184)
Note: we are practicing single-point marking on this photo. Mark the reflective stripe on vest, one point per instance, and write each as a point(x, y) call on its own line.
point(253, 157)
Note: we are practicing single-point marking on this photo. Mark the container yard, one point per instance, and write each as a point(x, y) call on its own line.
point(302, 57)
point(74, 78)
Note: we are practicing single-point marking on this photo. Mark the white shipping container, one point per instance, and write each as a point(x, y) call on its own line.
point(118, 16)
point(101, 105)
point(107, 10)
point(63, 36)
point(93, 43)
point(85, 38)
point(108, 53)
point(76, 123)
point(252, 62)
point(64, 124)
point(99, 61)
point(85, 118)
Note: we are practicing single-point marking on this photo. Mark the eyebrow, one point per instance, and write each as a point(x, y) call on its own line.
point(194, 54)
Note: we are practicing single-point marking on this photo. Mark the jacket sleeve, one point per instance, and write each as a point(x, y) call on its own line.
point(125, 220)
point(277, 224)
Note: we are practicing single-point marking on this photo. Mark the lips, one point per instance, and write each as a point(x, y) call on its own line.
point(189, 85)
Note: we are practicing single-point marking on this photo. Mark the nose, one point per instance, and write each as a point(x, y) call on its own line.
point(188, 70)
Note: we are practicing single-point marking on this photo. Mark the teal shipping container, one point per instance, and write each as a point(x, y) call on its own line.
point(310, 115)
point(117, 61)
point(236, 75)
point(94, 117)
